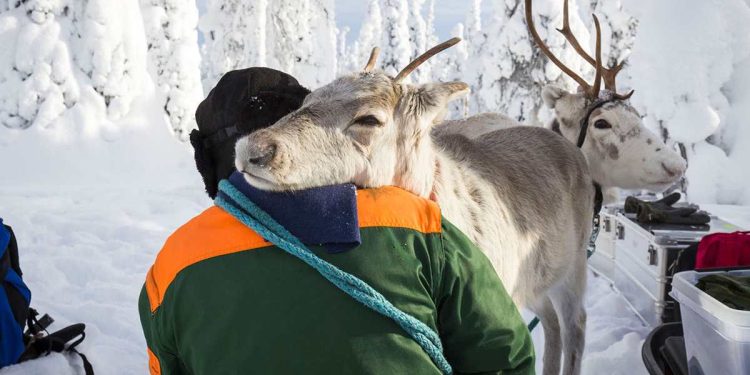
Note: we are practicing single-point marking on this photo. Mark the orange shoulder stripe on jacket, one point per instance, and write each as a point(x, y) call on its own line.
point(390, 206)
point(212, 233)
point(215, 232)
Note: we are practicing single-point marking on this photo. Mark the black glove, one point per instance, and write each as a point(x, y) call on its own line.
point(661, 211)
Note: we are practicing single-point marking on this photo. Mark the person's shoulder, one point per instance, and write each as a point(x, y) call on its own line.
point(390, 206)
point(212, 228)
point(212, 233)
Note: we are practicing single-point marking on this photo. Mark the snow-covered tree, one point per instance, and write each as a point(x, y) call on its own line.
point(70, 58)
point(235, 37)
point(430, 19)
point(511, 69)
point(418, 39)
point(617, 25)
point(396, 50)
point(451, 66)
point(323, 58)
point(289, 39)
point(370, 35)
point(294, 36)
point(691, 84)
point(174, 58)
point(110, 51)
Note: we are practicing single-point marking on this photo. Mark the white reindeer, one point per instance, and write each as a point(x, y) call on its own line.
point(523, 195)
point(621, 152)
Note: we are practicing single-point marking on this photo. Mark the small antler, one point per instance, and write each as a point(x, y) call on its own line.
point(373, 58)
point(608, 74)
point(424, 57)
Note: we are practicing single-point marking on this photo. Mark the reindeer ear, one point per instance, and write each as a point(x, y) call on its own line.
point(551, 94)
point(434, 97)
point(444, 92)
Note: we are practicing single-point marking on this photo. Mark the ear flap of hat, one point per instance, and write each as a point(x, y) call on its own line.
point(205, 164)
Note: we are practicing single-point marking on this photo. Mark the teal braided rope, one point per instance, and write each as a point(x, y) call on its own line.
point(590, 250)
point(255, 218)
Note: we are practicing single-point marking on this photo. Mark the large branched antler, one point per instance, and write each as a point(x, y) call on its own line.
point(592, 90)
point(608, 74)
point(424, 57)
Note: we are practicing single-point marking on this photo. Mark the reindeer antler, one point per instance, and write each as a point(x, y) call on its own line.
point(591, 90)
point(608, 74)
point(424, 57)
point(373, 59)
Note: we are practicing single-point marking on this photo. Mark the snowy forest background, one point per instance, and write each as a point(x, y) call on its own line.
point(91, 83)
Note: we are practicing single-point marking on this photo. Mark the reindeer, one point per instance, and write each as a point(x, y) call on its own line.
point(621, 152)
point(523, 195)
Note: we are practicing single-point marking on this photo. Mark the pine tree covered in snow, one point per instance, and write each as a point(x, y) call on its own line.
point(174, 58)
point(323, 59)
point(617, 25)
point(686, 81)
point(370, 34)
point(72, 58)
point(235, 37)
point(396, 50)
point(418, 40)
point(451, 66)
point(297, 37)
point(510, 69)
point(290, 44)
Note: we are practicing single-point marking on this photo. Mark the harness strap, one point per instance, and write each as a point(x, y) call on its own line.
point(244, 210)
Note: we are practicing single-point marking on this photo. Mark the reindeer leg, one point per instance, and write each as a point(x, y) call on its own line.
point(545, 310)
point(568, 301)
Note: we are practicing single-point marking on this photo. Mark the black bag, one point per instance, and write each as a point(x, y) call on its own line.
point(23, 336)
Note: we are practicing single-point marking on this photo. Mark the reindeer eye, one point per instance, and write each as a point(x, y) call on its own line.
point(368, 120)
point(602, 124)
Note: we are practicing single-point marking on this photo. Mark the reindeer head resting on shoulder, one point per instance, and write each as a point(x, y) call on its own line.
point(366, 128)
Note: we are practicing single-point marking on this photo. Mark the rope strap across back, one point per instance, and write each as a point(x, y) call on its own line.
point(244, 210)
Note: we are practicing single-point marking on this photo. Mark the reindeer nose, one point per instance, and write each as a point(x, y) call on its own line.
point(261, 155)
point(672, 171)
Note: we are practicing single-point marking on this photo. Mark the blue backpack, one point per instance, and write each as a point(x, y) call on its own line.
point(22, 335)
point(15, 298)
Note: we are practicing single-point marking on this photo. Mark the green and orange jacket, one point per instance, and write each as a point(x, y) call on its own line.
point(219, 299)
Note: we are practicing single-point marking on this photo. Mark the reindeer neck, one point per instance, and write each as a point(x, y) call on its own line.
point(418, 175)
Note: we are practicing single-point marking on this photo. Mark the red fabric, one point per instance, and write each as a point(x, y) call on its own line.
point(720, 250)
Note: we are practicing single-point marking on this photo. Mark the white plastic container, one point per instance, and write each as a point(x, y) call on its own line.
point(717, 337)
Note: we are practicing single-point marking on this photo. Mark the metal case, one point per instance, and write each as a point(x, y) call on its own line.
point(646, 258)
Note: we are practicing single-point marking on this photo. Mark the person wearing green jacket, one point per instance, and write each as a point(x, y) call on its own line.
point(220, 299)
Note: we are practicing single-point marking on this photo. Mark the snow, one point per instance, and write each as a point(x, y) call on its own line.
point(90, 213)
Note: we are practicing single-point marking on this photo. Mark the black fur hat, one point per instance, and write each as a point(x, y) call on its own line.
point(243, 101)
